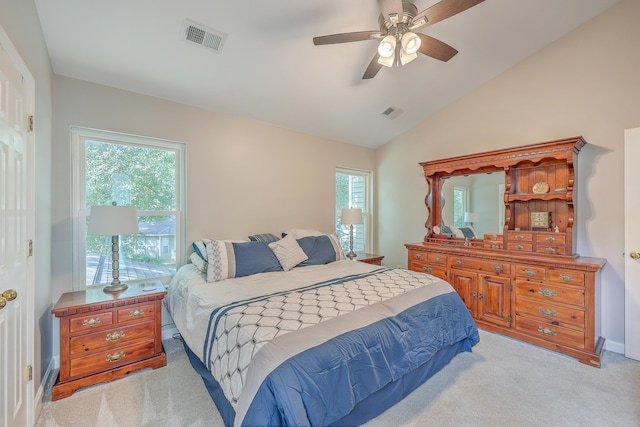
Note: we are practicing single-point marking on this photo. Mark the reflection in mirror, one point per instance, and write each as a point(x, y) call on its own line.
point(481, 194)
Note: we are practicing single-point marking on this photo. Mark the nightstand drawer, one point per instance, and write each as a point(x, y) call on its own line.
point(135, 313)
point(94, 321)
point(110, 359)
point(110, 338)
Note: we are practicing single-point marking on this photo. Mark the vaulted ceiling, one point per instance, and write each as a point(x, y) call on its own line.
point(269, 69)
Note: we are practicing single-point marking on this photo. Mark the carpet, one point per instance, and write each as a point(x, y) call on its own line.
point(504, 382)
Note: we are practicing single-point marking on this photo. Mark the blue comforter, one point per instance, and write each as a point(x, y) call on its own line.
point(337, 351)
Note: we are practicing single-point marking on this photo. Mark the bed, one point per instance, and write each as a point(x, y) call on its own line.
point(324, 343)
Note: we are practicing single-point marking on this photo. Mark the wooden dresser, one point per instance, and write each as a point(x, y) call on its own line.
point(522, 280)
point(104, 336)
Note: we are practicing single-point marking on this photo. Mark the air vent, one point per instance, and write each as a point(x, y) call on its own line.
point(391, 112)
point(204, 36)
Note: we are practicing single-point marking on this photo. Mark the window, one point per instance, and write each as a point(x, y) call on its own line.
point(460, 202)
point(353, 190)
point(130, 170)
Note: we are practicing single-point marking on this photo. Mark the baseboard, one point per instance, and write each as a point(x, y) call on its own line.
point(168, 331)
point(615, 347)
point(47, 381)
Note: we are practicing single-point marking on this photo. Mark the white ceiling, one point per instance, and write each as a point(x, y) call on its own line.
point(269, 70)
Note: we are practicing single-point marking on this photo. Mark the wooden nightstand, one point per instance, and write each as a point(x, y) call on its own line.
point(369, 258)
point(104, 336)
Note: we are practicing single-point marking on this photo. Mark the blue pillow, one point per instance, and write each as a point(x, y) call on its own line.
point(467, 232)
point(319, 250)
point(254, 257)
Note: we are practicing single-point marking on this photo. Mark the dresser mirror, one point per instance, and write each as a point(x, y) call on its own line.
point(481, 194)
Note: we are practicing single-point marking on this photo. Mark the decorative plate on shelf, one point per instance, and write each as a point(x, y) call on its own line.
point(540, 187)
point(436, 229)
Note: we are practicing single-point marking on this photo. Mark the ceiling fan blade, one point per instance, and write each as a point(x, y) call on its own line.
point(435, 48)
point(445, 9)
point(391, 7)
point(373, 68)
point(347, 37)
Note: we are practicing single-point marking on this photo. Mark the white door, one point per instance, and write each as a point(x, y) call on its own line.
point(632, 244)
point(16, 227)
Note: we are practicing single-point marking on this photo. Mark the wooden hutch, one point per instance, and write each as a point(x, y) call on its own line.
point(525, 280)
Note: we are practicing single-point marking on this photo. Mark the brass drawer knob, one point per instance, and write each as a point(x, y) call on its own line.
point(115, 356)
point(136, 313)
point(91, 322)
point(547, 331)
point(519, 237)
point(427, 269)
point(547, 312)
point(459, 261)
point(437, 259)
point(550, 250)
point(566, 277)
point(498, 268)
point(530, 273)
point(519, 247)
point(547, 293)
point(115, 336)
point(550, 239)
point(417, 256)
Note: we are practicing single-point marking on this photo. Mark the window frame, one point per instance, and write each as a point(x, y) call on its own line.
point(79, 211)
point(367, 205)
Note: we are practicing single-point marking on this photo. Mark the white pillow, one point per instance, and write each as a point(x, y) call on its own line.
point(299, 233)
point(288, 252)
point(198, 262)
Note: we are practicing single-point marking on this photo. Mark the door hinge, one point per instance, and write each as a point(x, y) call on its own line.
point(30, 123)
point(28, 248)
point(28, 373)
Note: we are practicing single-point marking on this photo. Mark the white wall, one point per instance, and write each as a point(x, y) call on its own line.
point(243, 177)
point(586, 83)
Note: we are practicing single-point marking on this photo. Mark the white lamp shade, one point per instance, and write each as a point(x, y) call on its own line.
point(471, 217)
point(351, 216)
point(113, 220)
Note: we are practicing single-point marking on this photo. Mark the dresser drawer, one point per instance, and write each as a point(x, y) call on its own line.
point(437, 259)
point(550, 293)
point(88, 322)
point(531, 272)
point(133, 313)
point(496, 267)
point(566, 277)
point(520, 236)
point(417, 256)
point(556, 334)
point(551, 239)
point(110, 338)
point(522, 247)
point(548, 313)
point(434, 270)
point(550, 250)
point(110, 359)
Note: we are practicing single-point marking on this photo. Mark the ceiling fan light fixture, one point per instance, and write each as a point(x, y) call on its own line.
point(387, 51)
point(410, 43)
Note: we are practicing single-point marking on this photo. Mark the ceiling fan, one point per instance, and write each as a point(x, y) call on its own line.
point(400, 44)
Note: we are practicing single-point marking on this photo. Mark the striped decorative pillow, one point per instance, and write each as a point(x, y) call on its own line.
point(288, 252)
point(265, 237)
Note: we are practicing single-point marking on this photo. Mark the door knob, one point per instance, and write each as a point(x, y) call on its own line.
point(9, 295)
point(3, 302)
point(634, 255)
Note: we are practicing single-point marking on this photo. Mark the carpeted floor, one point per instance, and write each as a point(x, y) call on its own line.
point(504, 382)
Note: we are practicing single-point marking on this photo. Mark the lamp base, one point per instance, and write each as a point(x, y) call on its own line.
point(351, 255)
point(115, 287)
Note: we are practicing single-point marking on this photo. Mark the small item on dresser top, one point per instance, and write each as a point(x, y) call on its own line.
point(149, 288)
